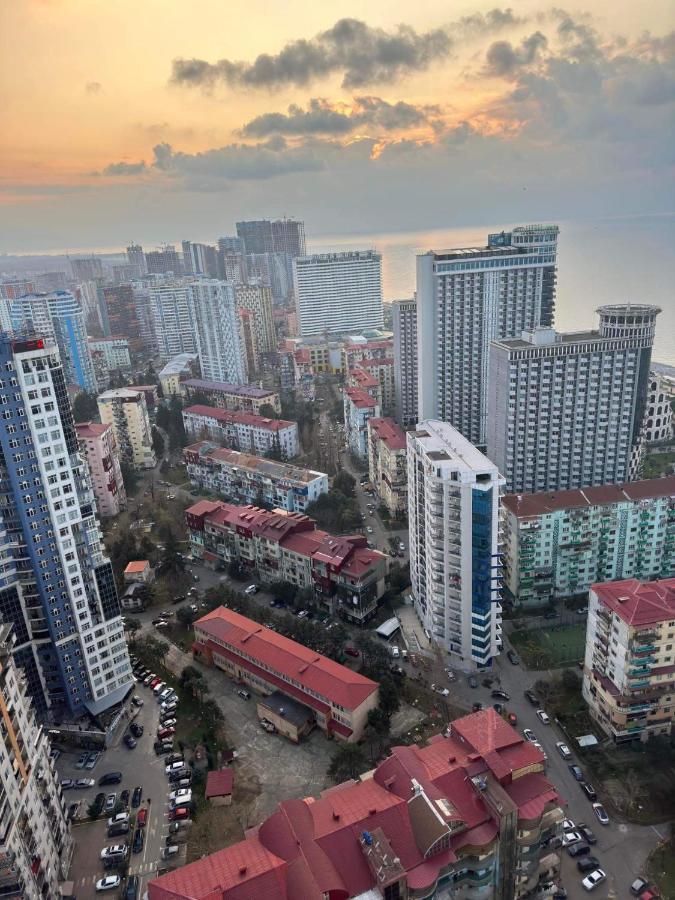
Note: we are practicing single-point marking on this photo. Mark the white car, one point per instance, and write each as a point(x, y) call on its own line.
point(158, 688)
point(109, 883)
point(369, 530)
point(113, 851)
point(594, 879)
point(600, 813)
point(543, 716)
point(168, 723)
point(563, 750)
point(540, 748)
point(251, 589)
point(85, 782)
point(568, 825)
point(120, 819)
point(570, 837)
point(184, 795)
point(174, 767)
point(529, 735)
point(440, 690)
point(395, 652)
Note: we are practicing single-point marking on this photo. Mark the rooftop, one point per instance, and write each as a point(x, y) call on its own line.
point(219, 783)
point(444, 444)
point(363, 379)
point(121, 394)
point(178, 364)
point(90, 429)
point(241, 390)
point(526, 505)
point(389, 431)
point(361, 399)
point(137, 566)
point(639, 602)
point(236, 417)
point(308, 669)
point(205, 450)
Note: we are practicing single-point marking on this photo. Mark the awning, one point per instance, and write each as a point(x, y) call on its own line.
point(96, 707)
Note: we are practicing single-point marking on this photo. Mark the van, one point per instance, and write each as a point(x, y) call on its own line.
point(110, 778)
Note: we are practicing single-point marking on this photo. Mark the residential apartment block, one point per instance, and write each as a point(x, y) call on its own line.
point(471, 814)
point(659, 412)
point(359, 406)
point(245, 478)
point(36, 842)
point(242, 430)
point(119, 314)
point(182, 366)
point(629, 665)
point(230, 396)
point(346, 576)
point(257, 299)
point(356, 349)
point(115, 352)
point(467, 298)
point(170, 301)
point(558, 544)
point(272, 236)
point(387, 464)
point(126, 411)
point(364, 381)
point(383, 371)
point(455, 562)
point(215, 325)
point(56, 585)
point(404, 314)
point(567, 410)
point(98, 446)
point(338, 293)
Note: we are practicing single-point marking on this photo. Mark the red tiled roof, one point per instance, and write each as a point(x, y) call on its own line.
point(138, 565)
point(232, 417)
point(360, 398)
point(90, 429)
point(363, 379)
point(486, 731)
point(542, 502)
point(388, 431)
point(374, 363)
point(203, 507)
point(639, 602)
point(219, 783)
point(309, 669)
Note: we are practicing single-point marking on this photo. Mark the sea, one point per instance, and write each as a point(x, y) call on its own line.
point(626, 260)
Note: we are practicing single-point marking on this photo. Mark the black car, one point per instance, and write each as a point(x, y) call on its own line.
point(578, 850)
point(179, 774)
point(499, 695)
point(99, 800)
point(163, 747)
point(532, 697)
point(136, 729)
point(587, 834)
point(576, 771)
point(498, 708)
point(110, 778)
point(139, 837)
point(130, 741)
point(588, 864)
point(124, 798)
point(477, 706)
point(131, 889)
point(589, 790)
point(513, 657)
point(136, 797)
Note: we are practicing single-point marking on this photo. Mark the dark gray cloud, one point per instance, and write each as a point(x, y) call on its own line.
point(238, 162)
point(493, 20)
point(93, 87)
point(505, 60)
point(321, 117)
point(124, 168)
point(365, 55)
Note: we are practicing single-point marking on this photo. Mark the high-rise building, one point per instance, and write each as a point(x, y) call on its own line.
point(659, 412)
point(146, 321)
point(556, 545)
point(215, 327)
point(405, 361)
point(453, 516)
point(249, 344)
point(126, 411)
point(87, 269)
point(629, 677)
point(56, 585)
point(136, 258)
point(172, 323)
point(278, 236)
point(165, 261)
point(122, 315)
point(98, 446)
point(258, 299)
point(59, 317)
point(567, 410)
point(467, 298)
point(470, 814)
point(36, 842)
point(199, 259)
point(338, 292)
point(92, 301)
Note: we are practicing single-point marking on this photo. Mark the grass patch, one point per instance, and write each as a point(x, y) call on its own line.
point(550, 648)
point(661, 868)
point(176, 475)
point(657, 464)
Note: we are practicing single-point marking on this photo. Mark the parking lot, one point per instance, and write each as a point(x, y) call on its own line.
point(139, 767)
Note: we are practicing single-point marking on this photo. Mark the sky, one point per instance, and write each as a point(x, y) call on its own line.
point(154, 120)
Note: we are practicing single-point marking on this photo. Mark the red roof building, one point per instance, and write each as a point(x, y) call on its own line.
point(388, 464)
point(424, 815)
point(242, 430)
point(219, 785)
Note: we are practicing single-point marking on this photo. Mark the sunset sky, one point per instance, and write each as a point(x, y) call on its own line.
point(155, 120)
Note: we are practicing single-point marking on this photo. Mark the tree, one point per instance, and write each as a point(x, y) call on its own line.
point(376, 731)
point(570, 680)
point(345, 482)
point(376, 659)
point(185, 616)
point(399, 577)
point(348, 761)
point(129, 477)
point(85, 407)
point(150, 650)
point(132, 626)
point(390, 701)
point(267, 411)
point(162, 417)
point(172, 561)
point(284, 591)
point(157, 442)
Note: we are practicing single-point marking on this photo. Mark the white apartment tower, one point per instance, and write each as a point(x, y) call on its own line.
point(566, 411)
point(170, 305)
point(467, 298)
point(453, 515)
point(215, 326)
point(405, 361)
point(338, 292)
point(126, 410)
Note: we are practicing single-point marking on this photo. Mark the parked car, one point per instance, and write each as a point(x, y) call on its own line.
point(130, 741)
point(170, 852)
point(109, 883)
point(174, 766)
point(136, 797)
point(116, 851)
point(499, 695)
point(638, 886)
point(137, 701)
point(245, 695)
point(142, 817)
point(169, 722)
point(498, 708)
point(589, 790)
point(592, 880)
point(587, 834)
point(443, 691)
point(131, 889)
point(251, 589)
point(139, 839)
point(302, 613)
point(576, 771)
point(181, 813)
point(165, 733)
point(118, 830)
point(588, 864)
point(578, 850)
point(136, 729)
point(529, 735)
point(179, 774)
point(540, 748)
point(570, 837)
point(513, 657)
point(600, 813)
point(92, 759)
point(267, 726)
point(110, 802)
point(121, 818)
point(80, 764)
point(85, 782)
point(532, 697)
point(568, 825)
point(541, 714)
point(180, 794)
point(563, 750)
point(162, 748)
point(67, 783)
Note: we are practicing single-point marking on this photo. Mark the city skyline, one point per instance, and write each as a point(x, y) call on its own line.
point(197, 126)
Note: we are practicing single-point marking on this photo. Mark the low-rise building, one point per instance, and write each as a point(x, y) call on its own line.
point(359, 406)
point(219, 785)
point(357, 348)
point(557, 544)
point(387, 464)
point(180, 367)
point(629, 665)
point(99, 446)
point(115, 351)
point(365, 381)
point(135, 597)
point(125, 409)
point(383, 370)
point(659, 413)
point(230, 396)
point(243, 431)
point(265, 661)
point(471, 814)
point(347, 577)
point(245, 478)
point(139, 570)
